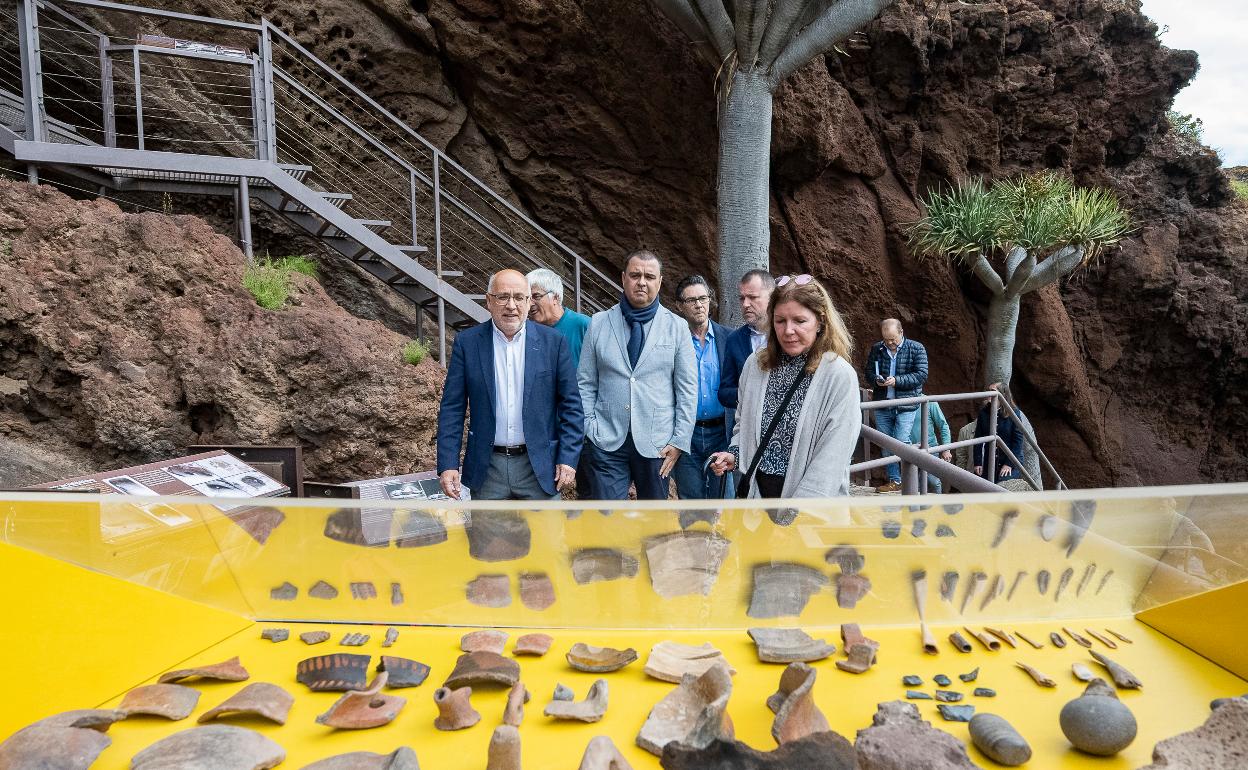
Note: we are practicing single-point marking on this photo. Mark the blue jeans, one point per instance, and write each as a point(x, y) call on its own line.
point(612, 472)
point(899, 425)
point(693, 480)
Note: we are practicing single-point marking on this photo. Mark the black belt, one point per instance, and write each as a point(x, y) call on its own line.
point(511, 451)
point(711, 423)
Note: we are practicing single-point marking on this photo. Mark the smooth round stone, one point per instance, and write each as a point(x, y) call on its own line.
point(999, 741)
point(1098, 725)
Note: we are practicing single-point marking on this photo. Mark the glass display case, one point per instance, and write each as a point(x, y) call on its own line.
point(104, 593)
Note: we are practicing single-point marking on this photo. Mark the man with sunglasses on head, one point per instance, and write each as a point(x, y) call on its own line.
point(712, 429)
point(639, 386)
point(896, 367)
point(516, 382)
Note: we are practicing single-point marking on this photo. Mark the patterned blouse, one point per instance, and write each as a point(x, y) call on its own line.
point(776, 455)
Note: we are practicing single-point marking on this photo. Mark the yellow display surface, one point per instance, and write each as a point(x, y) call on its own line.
point(1213, 624)
point(1178, 686)
point(72, 636)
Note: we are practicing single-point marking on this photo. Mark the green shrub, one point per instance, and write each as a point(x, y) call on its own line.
point(1240, 188)
point(268, 284)
point(415, 351)
point(297, 264)
point(1189, 127)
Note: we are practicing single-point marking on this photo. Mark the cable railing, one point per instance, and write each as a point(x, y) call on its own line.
point(110, 75)
point(992, 442)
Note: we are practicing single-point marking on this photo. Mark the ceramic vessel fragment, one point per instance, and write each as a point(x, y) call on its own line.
point(591, 709)
point(455, 711)
point(782, 590)
point(537, 592)
point(497, 535)
point(338, 671)
point(797, 716)
point(258, 698)
point(230, 671)
point(599, 660)
point(533, 644)
point(489, 591)
point(670, 661)
point(403, 672)
point(363, 709)
point(788, 645)
point(490, 640)
point(171, 701)
point(482, 668)
point(686, 562)
point(693, 713)
point(212, 747)
point(504, 751)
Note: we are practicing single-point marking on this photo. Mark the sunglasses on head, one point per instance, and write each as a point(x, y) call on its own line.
point(798, 280)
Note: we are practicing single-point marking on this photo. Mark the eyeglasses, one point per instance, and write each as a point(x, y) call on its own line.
point(798, 280)
point(538, 296)
point(503, 299)
point(705, 299)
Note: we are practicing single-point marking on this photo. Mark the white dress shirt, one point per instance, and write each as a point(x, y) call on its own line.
point(508, 388)
point(757, 339)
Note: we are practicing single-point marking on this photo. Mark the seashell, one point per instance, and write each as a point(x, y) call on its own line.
point(1007, 522)
point(1067, 574)
point(1097, 722)
point(206, 746)
point(959, 642)
point(948, 584)
point(1028, 640)
point(1042, 581)
point(599, 660)
point(1122, 677)
point(513, 712)
point(1047, 527)
point(788, 645)
point(998, 740)
point(1041, 678)
point(1082, 641)
point(455, 711)
point(259, 698)
point(591, 709)
point(362, 709)
point(1057, 639)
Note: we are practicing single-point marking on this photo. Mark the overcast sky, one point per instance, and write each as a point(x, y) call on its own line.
point(1218, 31)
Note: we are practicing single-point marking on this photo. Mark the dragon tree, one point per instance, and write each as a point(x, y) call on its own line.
point(754, 45)
point(1016, 236)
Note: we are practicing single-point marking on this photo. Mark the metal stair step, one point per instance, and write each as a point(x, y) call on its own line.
point(295, 170)
point(337, 200)
point(414, 249)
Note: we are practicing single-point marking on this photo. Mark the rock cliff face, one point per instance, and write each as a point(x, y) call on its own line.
point(596, 117)
point(127, 337)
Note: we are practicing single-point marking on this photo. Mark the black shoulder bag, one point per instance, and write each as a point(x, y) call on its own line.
point(743, 489)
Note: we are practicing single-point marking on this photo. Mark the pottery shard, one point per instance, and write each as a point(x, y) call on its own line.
point(859, 649)
point(693, 713)
point(820, 751)
point(403, 671)
point(230, 671)
point(533, 644)
point(789, 645)
point(599, 660)
point(323, 590)
point(850, 589)
point(392, 636)
point(489, 640)
point(536, 590)
point(670, 661)
point(284, 593)
point(497, 535)
point(360, 526)
point(504, 751)
point(339, 671)
point(590, 565)
point(354, 639)
point(797, 716)
point(259, 698)
point(591, 709)
point(490, 591)
point(602, 754)
point(513, 712)
point(396, 593)
point(314, 637)
point(171, 701)
point(478, 668)
point(399, 759)
point(455, 711)
point(214, 747)
point(275, 634)
point(69, 741)
point(418, 529)
point(684, 563)
point(782, 590)
point(363, 590)
point(1221, 743)
point(847, 558)
point(899, 740)
point(948, 584)
point(362, 709)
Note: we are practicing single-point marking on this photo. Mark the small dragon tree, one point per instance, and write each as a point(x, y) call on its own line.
point(754, 45)
point(1039, 228)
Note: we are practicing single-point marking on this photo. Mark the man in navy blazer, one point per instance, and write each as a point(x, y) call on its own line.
point(517, 381)
point(756, 287)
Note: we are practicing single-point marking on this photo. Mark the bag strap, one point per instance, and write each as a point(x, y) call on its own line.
point(743, 490)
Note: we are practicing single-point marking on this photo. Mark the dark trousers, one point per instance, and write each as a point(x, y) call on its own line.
point(613, 471)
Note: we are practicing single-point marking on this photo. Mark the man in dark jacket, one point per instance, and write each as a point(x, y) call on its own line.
point(896, 367)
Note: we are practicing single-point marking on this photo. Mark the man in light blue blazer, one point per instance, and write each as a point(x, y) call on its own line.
point(639, 386)
point(517, 383)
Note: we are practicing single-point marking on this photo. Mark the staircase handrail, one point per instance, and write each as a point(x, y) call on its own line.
point(909, 455)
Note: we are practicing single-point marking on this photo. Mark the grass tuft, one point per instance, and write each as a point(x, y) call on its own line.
point(1240, 188)
point(415, 351)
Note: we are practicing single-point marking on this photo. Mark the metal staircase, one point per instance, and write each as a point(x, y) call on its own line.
point(133, 99)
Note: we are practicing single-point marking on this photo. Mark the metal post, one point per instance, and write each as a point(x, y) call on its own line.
point(270, 107)
point(576, 271)
point(244, 216)
point(909, 478)
point(106, 94)
point(923, 444)
point(437, 254)
point(990, 449)
point(259, 146)
point(138, 97)
point(32, 73)
point(867, 414)
point(411, 192)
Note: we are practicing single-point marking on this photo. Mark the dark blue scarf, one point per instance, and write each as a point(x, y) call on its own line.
point(635, 320)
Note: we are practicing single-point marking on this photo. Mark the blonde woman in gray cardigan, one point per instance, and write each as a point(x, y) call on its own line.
point(806, 360)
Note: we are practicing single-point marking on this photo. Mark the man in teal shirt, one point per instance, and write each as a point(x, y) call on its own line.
point(547, 309)
point(546, 288)
point(937, 434)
